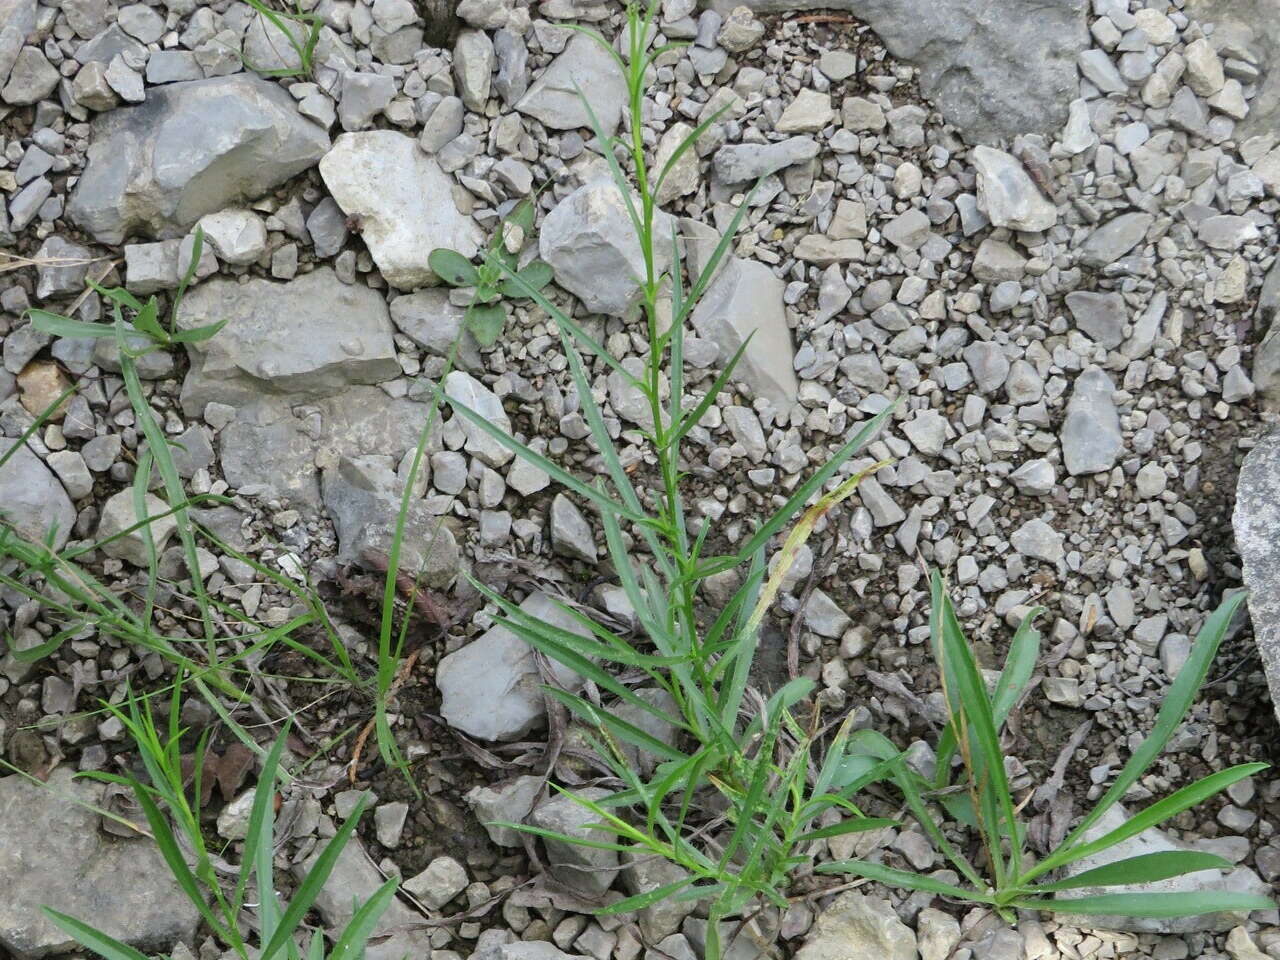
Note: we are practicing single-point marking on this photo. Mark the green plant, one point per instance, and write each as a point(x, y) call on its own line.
point(498, 276)
point(1014, 880)
point(773, 796)
point(79, 603)
point(192, 863)
point(303, 44)
point(753, 753)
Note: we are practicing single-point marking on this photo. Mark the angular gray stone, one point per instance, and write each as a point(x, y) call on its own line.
point(362, 495)
point(193, 148)
point(588, 239)
point(745, 300)
point(1038, 540)
point(1101, 316)
point(473, 63)
point(1248, 26)
point(1256, 521)
point(63, 265)
point(433, 321)
point(53, 853)
point(1152, 840)
point(353, 881)
point(994, 69)
point(271, 448)
point(854, 925)
point(1266, 357)
point(32, 498)
point(570, 532)
point(588, 870)
point(1091, 438)
point(1007, 194)
point(507, 802)
point(120, 512)
point(309, 337)
point(31, 79)
point(583, 65)
point(491, 688)
point(1111, 241)
point(748, 162)
point(404, 202)
point(460, 386)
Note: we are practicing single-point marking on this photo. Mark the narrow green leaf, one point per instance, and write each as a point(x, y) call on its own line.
point(1157, 905)
point(900, 878)
point(57, 325)
point(846, 827)
point(1145, 868)
point(1174, 705)
point(92, 939)
point(1184, 799)
point(642, 900)
point(351, 944)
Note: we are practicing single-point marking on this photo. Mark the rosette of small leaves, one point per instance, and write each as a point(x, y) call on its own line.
point(492, 280)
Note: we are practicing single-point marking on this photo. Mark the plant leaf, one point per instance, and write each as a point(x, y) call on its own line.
point(92, 939)
point(1190, 904)
point(1145, 868)
point(485, 321)
point(452, 267)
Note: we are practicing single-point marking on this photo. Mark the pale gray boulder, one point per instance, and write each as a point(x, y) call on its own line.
point(193, 148)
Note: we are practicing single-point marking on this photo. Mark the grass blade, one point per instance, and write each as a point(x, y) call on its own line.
point(1155, 905)
point(1146, 868)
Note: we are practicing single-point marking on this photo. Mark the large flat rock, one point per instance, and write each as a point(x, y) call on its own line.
point(53, 854)
point(192, 148)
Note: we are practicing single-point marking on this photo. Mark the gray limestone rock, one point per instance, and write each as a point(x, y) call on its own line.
point(32, 499)
point(1248, 27)
point(994, 69)
point(553, 97)
point(746, 300)
point(1111, 241)
point(588, 239)
point(120, 512)
point(854, 925)
point(193, 148)
point(1091, 438)
point(404, 202)
point(491, 688)
point(309, 337)
point(1257, 528)
point(53, 853)
point(1152, 840)
point(31, 79)
point(63, 265)
point(431, 320)
point(271, 448)
point(353, 881)
point(747, 162)
point(588, 870)
point(461, 387)
point(571, 534)
point(1007, 194)
point(362, 495)
point(1101, 316)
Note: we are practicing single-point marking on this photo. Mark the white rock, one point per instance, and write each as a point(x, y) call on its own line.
point(404, 202)
point(236, 236)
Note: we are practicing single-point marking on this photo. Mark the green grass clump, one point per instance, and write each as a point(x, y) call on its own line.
point(1010, 878)
point(772, 779)
point(301, 31)
point(226, 909)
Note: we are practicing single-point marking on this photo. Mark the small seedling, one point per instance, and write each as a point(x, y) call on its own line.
point(1012, 880)
point(497, 278)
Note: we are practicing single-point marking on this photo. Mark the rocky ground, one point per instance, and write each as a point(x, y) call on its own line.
point(1048, 226)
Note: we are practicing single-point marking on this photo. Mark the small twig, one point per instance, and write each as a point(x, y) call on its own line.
point(818, 571)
